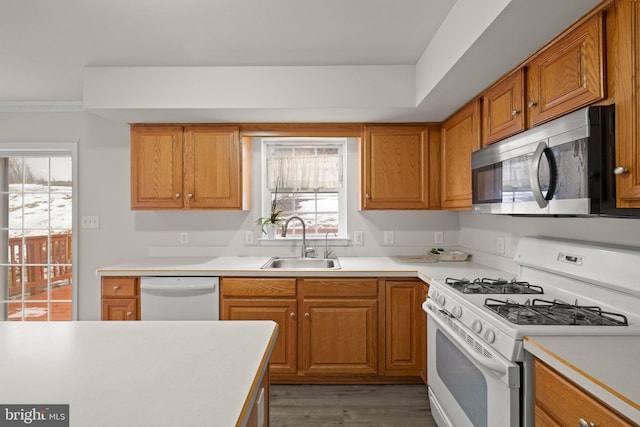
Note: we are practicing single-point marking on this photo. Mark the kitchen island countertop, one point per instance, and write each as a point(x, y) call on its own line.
point(137, 373)
point(605, 366)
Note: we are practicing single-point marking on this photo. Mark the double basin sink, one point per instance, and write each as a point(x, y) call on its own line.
point(296, 263)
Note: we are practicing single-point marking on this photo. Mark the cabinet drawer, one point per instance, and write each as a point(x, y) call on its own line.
point(340, 288)
point(119, 286)
point(258, 287)
point(568, 403)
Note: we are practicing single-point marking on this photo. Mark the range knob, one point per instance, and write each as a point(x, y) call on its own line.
point(433, 294)
point(457, 311)
point(489, 336)
point(476, 325)
point(441, 300)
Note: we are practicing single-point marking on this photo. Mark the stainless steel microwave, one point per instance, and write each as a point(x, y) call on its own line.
point(563, 167)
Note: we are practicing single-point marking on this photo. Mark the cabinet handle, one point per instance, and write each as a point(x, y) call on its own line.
point(532, 104)
point(367, 196)
point(190, 196)
point(292, 315)
point(129, 313)
point(620, 170)
point(116, 288)
point(307, 316)
point(177, 195)
point(515, 112)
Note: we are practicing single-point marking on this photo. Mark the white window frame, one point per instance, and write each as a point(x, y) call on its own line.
point(44, 149)
point(342, 194)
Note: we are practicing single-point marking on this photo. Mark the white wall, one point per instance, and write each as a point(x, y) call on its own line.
point(478, 233)
point(103, 187)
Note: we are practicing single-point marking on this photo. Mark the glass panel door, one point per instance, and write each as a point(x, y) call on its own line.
point(36, 224)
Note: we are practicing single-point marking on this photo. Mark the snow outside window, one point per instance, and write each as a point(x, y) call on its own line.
point(309, 176)
point(36, 229)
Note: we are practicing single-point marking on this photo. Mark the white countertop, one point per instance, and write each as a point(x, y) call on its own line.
point(606, 366)
point(137, 373)
point(250, 266)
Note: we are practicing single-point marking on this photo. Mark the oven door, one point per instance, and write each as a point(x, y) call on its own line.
point(469, 383)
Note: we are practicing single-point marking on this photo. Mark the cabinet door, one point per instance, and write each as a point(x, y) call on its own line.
point(395, 167)
point(460, 137)
point(403, 327)
point(565, 403)
point(569, 74)
point(212, 167)
point(626, 80)
point(119, 308)
point(340, 336)
point(284, 313)
point(503, 108)
point(156, 167)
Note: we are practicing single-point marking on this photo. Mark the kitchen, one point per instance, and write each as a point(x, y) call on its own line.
point(123, 234)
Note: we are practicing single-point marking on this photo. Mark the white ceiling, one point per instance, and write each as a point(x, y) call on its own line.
point(45, 45)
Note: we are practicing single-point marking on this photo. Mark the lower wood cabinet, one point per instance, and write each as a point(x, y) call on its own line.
point(560, 402)
point(403, 327)
point(345, 330)
point(120, 298)
point(340, 326)
point(266, 299)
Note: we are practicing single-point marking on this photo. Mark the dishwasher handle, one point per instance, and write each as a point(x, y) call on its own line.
point(178, 287)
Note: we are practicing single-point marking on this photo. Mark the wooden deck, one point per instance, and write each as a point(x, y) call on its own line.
point(37, 310)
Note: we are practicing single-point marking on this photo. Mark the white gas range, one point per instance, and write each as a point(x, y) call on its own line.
point(478, 372)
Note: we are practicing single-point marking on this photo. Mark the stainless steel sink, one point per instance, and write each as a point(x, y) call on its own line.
point(295, 263)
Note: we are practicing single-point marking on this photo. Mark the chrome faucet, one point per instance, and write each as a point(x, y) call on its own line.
point(305, 250)
point(327, 252)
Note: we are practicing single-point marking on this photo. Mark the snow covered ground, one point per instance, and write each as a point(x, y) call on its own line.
point(33, 210)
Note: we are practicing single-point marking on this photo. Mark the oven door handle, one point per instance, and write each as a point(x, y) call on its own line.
point(495, 363)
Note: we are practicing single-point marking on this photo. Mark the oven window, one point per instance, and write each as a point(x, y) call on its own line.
point(464, 381)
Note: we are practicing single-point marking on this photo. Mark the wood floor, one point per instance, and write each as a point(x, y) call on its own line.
point(350, 405)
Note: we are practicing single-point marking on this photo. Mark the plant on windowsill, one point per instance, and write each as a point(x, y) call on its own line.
point(269, 224)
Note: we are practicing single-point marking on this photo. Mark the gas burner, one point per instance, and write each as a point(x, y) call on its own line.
point(492, 286)
point(554, 313)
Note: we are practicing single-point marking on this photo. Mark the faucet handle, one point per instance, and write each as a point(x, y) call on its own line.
point(310, 252)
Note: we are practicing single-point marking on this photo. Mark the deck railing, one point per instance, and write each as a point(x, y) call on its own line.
point(32, 267)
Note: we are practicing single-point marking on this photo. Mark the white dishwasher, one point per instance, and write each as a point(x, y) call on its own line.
point(179, 298)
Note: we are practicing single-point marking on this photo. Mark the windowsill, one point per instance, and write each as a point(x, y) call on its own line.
point(311, 240)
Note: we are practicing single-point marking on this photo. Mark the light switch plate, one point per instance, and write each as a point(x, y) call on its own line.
point(439, 237)
point(184, 237)
point(248, 237)
point(90, 221)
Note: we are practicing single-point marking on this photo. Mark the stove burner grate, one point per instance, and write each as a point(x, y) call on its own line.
point(556, 312)
point(492, 286)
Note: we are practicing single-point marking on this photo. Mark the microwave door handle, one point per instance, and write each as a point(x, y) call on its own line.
point(534, 179)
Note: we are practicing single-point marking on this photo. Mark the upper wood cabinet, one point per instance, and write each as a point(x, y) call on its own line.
point(503, 108)
point(399, 167)
point(568, 73)
point(623, 49)
point(460, 137)
point(191, 167)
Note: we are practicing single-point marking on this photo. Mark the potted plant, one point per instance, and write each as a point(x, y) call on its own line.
point(269, 224)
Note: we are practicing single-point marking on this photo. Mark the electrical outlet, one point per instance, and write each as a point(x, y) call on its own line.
point(184, 237)
point(439, 237)
point(358, 238)
point(248, 237)
point(388, 238)
point(500, 245)
point(90, 221)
